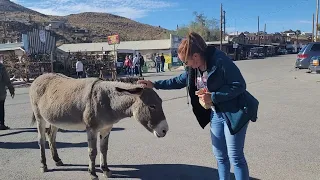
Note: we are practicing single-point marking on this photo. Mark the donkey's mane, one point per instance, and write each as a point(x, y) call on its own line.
point(132, 80)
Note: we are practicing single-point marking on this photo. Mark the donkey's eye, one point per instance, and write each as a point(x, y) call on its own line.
point(152, 107)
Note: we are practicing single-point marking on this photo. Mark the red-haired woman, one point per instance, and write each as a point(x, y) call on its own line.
point(232, 107)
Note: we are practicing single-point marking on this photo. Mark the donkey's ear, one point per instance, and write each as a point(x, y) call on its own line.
point(131, 91)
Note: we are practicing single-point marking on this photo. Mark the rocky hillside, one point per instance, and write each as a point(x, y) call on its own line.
point(84, 27)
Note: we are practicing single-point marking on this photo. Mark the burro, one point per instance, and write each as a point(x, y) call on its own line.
point(92, 105)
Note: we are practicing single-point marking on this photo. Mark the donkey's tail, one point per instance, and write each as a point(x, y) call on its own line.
point(33, 119)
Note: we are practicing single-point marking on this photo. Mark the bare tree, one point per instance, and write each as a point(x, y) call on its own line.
point(207, 28)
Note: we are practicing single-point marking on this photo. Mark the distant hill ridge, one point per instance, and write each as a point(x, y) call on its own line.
point(99, 25)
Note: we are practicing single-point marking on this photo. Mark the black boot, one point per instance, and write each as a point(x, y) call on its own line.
point(4, 127)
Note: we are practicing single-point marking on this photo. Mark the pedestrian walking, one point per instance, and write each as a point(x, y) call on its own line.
point(163, 60)
point(128, 65)
point(141, 64)
point(79, 69)
point(158, 62)
point(4, 82)
point(218, 96)
point(136, 65)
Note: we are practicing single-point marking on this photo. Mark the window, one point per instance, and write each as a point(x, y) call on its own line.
point(315, 47)
point(305, 47)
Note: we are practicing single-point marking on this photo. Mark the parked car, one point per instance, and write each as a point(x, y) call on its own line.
point(256, 53)
point(306, 53)
point(282, 51)
point(314, 64)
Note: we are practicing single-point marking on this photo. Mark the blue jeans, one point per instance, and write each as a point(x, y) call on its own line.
point(227, 147)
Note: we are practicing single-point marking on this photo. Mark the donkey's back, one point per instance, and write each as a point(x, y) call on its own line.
point(60, 100)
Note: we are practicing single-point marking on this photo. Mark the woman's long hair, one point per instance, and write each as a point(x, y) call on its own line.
point(193, 43)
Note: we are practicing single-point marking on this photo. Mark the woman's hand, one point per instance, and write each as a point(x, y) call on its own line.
point(147, 83)
point(205, 97)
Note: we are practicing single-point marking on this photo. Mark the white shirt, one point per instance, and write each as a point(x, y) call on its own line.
point(135, 61)
point(79, 66)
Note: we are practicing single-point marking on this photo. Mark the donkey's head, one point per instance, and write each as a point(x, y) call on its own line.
point(147, 109)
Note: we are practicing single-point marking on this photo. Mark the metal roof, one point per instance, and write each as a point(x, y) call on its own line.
point(11, 46)
point(125, 45)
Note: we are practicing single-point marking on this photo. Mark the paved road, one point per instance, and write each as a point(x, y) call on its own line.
point(283, 144)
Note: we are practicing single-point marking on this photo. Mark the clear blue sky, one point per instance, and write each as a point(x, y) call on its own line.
point(279, 15)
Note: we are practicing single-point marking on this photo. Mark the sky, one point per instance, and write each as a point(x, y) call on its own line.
point(241, 15)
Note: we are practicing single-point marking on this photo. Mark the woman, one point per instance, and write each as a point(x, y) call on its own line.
point(232, 107)
point(127, 65)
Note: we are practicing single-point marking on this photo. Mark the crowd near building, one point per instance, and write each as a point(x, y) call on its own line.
point(39, 44)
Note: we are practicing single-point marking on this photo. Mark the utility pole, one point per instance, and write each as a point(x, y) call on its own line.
point(312, 40)
point(224, 25)
point(221, 19)
point(317, 20)
point(265, 30)
point(258, 31)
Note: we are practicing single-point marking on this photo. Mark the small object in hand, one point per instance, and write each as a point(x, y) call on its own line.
point(203, 104)
point(201, 91)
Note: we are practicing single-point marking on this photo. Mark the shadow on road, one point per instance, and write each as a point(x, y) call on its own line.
point(154, 171)
point(34, 145)
point(26, 130)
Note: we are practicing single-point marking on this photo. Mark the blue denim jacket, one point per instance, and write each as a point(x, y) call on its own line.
point(225, 82)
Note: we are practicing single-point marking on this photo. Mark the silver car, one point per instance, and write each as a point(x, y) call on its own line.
point(306, 53)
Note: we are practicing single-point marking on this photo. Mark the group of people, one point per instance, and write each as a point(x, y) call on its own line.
point(159, 60)
point(134, 66)
point(225, 103)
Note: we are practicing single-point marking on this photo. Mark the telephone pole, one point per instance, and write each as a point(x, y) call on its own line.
point(312, 40)
point(317, 20)
point(258, 31)
point(221, 19)
point(224, 25)
point(265, 30)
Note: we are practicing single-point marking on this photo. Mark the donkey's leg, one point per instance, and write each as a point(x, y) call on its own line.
point(41, 126)
point(104, 141)
point(92, 145)
point(51, 134)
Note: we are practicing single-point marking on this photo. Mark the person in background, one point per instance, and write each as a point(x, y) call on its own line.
point(127, 65)
point(4, 82)
point(217, 90)
point(136, 65)
point(79, 68)
point(132, 66)
point(163, 60)
point(158, 62)
point(141, 64)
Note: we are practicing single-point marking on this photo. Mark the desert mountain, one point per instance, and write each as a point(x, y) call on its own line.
point(93, 27)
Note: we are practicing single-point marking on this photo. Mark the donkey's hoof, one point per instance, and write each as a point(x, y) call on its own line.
point(59, 163)
point(107, 173)
point(44, 169)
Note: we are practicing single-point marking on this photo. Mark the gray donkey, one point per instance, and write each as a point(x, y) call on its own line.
point(93, 105)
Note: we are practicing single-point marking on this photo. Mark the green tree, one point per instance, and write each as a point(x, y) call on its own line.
point(207, 28)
